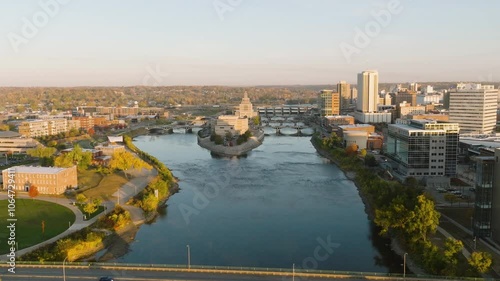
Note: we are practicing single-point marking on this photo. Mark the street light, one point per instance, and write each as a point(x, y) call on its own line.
point(189, 256)
point(475, 242)
point(293, 272)
point(64, 271)
point(404, 265)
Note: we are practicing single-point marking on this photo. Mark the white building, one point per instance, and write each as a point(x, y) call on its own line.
point(245, 110)
point(474, 107)
point(232, 124)
point(367, 91)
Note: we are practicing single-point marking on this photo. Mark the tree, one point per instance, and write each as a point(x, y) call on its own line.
point(75, 157)
point(90, 208)
point(352, 149)
point(33, 191)
point(362, 153)
point(81, 198)
point(424, 221)
point(124, 160)
point(97, 201)
point(452, 249)
point(149, 202)
point(370, 160)
point(256, 120)
point(480, 261)
point(41, 151)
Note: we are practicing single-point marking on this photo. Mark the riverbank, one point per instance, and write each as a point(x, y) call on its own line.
point(238, 150)
point(351, 175)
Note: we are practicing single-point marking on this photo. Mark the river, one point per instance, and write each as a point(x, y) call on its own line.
point(283, 204)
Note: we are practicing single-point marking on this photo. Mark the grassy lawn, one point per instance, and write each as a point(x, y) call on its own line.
point(460, 215)
point(89, 179)
point(108, 185)
point(30, 214)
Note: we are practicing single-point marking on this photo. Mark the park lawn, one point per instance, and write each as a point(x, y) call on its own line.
point(108, 185)
point(89, 178)
point(30, 214)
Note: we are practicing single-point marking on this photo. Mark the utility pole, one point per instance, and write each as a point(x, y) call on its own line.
point(404, 265)
point(189, 256)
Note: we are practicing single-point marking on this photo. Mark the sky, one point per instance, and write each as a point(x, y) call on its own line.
point(245, 42)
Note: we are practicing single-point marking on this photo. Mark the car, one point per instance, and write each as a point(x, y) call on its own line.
point(106, 278)
point(472, 189)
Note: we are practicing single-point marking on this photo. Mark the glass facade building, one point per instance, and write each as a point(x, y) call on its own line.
point(423, 148)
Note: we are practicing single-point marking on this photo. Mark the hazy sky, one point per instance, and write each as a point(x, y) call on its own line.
point(244, 42)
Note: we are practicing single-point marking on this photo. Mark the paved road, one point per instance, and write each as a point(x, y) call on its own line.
point(94, 274)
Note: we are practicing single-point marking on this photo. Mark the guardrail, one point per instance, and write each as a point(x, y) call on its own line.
point(239, 270)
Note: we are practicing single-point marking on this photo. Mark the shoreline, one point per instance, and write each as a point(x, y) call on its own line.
point(229, 151)
point(395, 245)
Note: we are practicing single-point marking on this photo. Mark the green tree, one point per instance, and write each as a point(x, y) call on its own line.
point(124, 160)
point(424, 221)
point(396, 216)
point(480, 261)
point(370, 160)
point(75, 157)
point(41, 151)
point(256, 120)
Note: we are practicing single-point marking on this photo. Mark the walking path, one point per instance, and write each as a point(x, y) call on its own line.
point(127, 191)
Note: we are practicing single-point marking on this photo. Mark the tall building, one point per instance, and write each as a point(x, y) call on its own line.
point(329, 103)
point(405, 96)
point(245, 110)
point(368, 99)
point(423, 148)
point(474, 107)
point(367, 91)
point(485, 171)
point(344, 90)
point(354, 94)
point(495, 200)
point(48, 180)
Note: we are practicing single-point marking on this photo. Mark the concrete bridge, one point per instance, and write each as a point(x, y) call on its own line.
point(170, 129)
point(123, 271)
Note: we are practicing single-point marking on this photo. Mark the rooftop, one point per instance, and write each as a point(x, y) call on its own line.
point(355, 126)
point(9, 134)
point(37, 170)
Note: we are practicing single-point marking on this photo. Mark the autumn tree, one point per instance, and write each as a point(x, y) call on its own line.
point(352, 149)
point(33, 191)
point(81, 198)
point(480, 261)
point(90, 208)
point(75, 157)
point(149, 202)
point(124, 160)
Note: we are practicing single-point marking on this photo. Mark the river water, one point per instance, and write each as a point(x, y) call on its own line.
point(283, 204)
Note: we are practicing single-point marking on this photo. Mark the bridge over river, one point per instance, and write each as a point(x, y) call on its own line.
point(122, 271)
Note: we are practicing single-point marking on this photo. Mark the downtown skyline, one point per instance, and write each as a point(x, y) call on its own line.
point(245, 42)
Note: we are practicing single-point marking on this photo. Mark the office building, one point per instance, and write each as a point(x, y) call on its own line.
point(329, 103)
point(474, 107)
point(367, 91)
point(368, 99)
point(344, 90)
point(12, 142)
point(423, 148)
point(48, 180)
point(495, 199)
point(485, 171)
